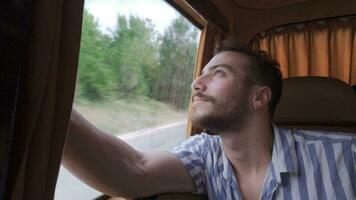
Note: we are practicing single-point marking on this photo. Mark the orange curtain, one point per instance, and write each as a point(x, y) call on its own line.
point(45, 98)
point(322, 48)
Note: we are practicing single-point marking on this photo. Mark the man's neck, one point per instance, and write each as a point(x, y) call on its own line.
point(249, 150)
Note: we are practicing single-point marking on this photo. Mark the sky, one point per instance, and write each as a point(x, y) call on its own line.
point(106, 12)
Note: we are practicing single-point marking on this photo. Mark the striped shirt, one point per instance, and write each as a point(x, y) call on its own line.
point(304, 165)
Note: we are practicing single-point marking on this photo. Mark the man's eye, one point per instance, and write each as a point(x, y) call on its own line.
point(219, 72)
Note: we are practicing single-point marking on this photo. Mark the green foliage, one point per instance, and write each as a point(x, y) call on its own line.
point(95, 76)
point(136, 56)
point(136, 62)
point(177, 59)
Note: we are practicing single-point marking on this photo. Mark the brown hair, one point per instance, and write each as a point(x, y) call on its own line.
point(262, 71)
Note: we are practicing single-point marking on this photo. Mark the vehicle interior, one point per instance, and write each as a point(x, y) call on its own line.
point(313, 40)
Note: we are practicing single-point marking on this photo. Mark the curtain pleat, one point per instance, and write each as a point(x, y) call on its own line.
point(319, 53)
point(297, 57)
point(353, 61)
point(340, 52)
point(322, 48)
point(281, 53)
point(45, 98)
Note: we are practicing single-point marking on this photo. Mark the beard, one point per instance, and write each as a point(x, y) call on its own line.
point(226, 116)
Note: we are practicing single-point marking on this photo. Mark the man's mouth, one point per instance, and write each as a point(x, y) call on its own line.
point(201, 97)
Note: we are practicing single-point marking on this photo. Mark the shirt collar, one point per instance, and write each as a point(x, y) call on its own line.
point(284, 157)
point(226, 167)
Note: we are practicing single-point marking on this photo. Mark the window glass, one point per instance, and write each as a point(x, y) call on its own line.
point(135, 69)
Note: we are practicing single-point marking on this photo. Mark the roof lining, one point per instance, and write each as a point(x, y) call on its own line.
point(239, 5)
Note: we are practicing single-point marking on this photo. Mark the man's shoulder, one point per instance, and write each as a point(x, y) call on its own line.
point(203, 136)
point(319, 136)
point(200, 142)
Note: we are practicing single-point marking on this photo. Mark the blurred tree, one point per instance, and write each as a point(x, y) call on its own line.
point(177, 61)
point(134, 61)
point(94, 75)
point(134, 55)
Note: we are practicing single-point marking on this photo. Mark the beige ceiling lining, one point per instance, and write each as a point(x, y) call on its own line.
point(266, 4)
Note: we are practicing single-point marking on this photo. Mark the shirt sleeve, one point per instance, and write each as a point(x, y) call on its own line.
point(190, 153)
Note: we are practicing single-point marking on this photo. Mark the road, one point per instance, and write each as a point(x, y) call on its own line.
point(158, 138)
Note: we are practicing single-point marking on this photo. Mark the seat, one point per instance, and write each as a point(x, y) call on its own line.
point(317, 103)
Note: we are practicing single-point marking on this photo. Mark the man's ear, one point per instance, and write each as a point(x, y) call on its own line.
point(263, 96)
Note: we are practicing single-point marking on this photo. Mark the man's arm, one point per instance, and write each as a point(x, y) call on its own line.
point(115, 168)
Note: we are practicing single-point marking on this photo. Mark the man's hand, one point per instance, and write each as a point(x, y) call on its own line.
point(115, 168)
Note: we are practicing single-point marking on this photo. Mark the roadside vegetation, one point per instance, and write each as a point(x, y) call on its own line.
point(135, 77)
point(124, 116)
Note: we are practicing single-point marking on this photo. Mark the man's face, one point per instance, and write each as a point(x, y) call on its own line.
point(220, 100)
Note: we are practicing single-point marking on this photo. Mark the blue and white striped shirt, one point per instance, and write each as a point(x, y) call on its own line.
point(304, 165)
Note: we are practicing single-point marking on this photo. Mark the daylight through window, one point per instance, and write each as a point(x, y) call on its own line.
point(135, 69)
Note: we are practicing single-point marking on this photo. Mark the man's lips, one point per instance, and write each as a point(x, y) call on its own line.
point(199, 99)
point(202, 97)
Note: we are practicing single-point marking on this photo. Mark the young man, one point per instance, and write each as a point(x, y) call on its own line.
point(246, 158)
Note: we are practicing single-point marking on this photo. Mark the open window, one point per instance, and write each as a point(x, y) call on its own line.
point(134, 76)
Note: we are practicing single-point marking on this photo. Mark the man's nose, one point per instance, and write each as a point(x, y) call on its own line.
point(198, 84)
